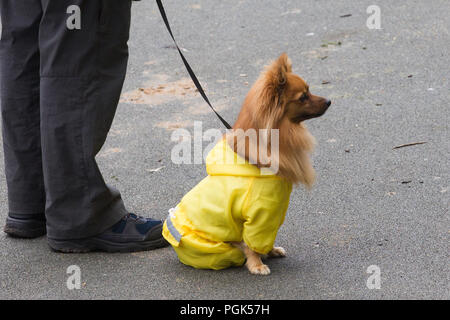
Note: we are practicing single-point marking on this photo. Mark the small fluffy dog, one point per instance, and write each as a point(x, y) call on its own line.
point(233, 215)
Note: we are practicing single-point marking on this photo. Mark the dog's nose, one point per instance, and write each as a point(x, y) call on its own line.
point(328, 103)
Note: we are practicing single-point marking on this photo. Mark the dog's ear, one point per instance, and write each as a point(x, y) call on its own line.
point(270, 91)
point(283, 66)
point(278, 71)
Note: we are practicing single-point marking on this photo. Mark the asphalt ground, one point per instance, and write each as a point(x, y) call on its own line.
point(371, 204)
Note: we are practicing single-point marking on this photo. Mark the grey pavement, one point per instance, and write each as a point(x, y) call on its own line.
point(371, 205)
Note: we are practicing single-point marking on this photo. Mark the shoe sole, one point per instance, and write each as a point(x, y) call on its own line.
point(28, 229)
point(96, 244)
point(92, 245)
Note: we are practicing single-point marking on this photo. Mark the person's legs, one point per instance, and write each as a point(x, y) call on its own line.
point(82, 72)
point(19, 77)
point(60, 85)
point(83, 68)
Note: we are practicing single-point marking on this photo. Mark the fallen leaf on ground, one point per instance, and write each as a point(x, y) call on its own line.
point(173, 125)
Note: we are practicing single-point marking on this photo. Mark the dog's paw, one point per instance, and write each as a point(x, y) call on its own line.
point(261, 269)
point(277, 252)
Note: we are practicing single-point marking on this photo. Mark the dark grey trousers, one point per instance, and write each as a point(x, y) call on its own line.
point(59, 92)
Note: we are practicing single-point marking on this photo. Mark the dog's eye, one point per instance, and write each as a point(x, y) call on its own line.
point(304, 97)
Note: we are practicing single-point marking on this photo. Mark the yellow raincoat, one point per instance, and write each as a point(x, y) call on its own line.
point(235, 202)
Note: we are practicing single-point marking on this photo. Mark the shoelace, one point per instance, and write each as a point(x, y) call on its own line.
point(132, 216)
point(135, 217)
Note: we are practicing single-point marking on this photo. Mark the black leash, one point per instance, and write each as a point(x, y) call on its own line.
point(188, 67)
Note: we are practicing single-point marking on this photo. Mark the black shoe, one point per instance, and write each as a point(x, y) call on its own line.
point(25, 228)
point(130, 234)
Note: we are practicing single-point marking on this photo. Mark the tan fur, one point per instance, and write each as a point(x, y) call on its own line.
point(254, 263)
point(275, 102)
point(266, 107)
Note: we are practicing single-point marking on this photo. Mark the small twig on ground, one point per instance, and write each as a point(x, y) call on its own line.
point(408, 145)
point(155, 170)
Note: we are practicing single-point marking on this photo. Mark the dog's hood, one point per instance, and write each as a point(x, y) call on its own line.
point(222, 160)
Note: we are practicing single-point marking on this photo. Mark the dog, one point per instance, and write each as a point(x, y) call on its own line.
point(232, 216)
